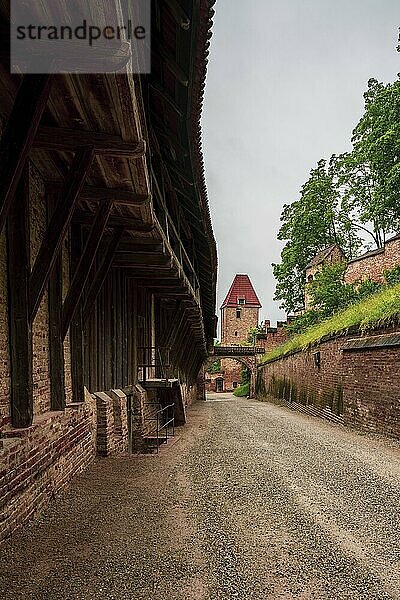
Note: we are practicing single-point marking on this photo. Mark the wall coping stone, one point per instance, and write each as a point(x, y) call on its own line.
point(386, 340)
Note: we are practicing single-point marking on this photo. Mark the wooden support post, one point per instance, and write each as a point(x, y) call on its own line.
point(80, 277)
point(101, 273)
point(19, 134)
point(58, 228)
point(76, 329)
point(20, 328)
point(56, 345)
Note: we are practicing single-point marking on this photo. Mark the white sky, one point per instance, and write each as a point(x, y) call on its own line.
point(284, 88)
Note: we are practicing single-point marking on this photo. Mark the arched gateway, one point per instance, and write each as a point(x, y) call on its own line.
point(239, 314)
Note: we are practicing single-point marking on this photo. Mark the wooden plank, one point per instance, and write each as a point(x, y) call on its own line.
point(69, 140)
point(101, 273)
point(82, 272)
point(58, 228)
point(18, 136)
point(56, 342)
point(20, 327)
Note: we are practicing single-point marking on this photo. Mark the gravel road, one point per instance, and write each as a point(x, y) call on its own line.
point(253, 501)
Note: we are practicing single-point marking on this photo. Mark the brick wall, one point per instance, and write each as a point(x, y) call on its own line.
point(359, 386)
point(273, 336)
point(374, 264)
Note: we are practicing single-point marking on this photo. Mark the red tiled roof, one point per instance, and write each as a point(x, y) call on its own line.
point(241, 288)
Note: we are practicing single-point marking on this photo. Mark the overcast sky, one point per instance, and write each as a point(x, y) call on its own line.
point(284, 88)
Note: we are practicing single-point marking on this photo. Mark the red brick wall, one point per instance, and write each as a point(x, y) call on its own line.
point(373, 267)
point(361, 386)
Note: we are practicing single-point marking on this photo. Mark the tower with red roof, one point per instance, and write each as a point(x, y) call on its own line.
point(239, 311)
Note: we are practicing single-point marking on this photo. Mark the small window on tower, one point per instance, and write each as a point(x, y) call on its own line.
point(235, 333)
point(241, 300)
point(238, 313)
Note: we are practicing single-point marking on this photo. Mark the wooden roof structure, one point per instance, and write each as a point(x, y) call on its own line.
point(122, 156)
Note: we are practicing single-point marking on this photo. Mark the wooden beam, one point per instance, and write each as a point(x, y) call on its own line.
point(178, 14)
point(18, 136)
point(81, 275)
point(160, 90)
point(84, 218)
point(69, 140)
point(56, 342)
point(58, 228)
point(118, 196)
point(101, 273)
point(20, 328)
point(171, 63)
point(139, 259)
point(76, 329)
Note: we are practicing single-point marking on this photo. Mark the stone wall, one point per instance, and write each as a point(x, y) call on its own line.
point(234, 329)
point(351, 379)
point(374, 264)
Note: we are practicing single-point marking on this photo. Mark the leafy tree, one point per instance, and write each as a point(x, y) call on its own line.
point(252, 334)
point(245, 375)
point(376, 142)
point(328, 291)
point(214, 367)
point(309, 225)
point(356, 194)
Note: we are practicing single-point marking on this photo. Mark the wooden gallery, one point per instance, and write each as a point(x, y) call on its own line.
point(108, 259)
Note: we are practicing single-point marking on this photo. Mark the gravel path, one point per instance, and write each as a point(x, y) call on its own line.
point(252, 502)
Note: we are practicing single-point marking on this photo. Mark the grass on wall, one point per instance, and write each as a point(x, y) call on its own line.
point(383, 308)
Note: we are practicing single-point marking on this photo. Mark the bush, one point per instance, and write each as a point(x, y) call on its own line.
point(392, 276)
point(242, 390)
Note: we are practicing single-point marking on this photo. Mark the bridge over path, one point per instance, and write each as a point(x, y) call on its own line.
point(246, 355)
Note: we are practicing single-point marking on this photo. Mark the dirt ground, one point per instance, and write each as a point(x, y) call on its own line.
point(253, 501)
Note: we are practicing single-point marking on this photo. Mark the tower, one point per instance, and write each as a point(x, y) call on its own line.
point(239, 311)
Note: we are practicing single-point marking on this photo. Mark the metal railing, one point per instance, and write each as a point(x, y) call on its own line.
point(165, 420)
point(153, 362)
point(237, 350)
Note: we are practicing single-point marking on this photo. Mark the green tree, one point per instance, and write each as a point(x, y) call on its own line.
point(328, 292)
point(376, 145)
point(252, 334)
point(309, 225)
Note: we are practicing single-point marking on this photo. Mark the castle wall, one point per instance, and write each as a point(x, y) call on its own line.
point(349, 379)
point(374, 265)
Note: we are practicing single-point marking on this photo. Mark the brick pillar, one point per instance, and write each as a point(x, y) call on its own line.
point(105, 424)
point(120, 420)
